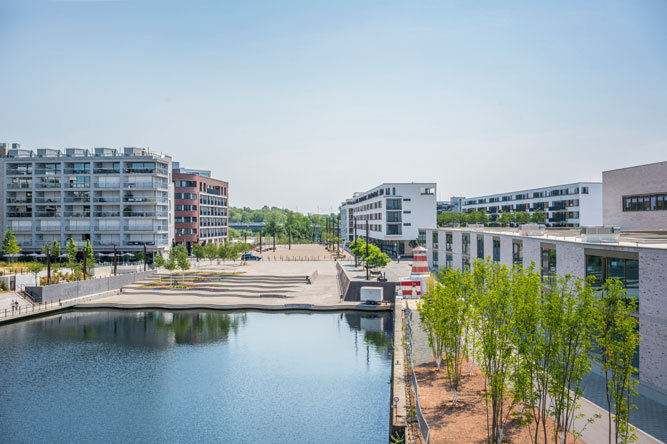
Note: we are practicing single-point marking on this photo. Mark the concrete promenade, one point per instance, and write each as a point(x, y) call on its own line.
point(257, 285)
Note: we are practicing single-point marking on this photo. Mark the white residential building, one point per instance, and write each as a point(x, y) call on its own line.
point(394, 212)
point(110, 197)
point(570, 205)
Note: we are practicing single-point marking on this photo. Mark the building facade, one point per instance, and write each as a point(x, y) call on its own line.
point(571, 205)
point(635, 198)
point(200, 207)
point(394, 212)
point(109, 197)
point(639, 262)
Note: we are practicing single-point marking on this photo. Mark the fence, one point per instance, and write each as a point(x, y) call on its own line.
point(424, 429)
point(22, 310)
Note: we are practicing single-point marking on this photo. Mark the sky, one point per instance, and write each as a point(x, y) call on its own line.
point(299, 104)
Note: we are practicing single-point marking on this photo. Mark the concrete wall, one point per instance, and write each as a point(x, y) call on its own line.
point(71, 290)
point(570, 259)
point(643, 179)
point(506, 250)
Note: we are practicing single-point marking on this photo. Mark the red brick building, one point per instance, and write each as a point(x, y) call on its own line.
point(200, 207)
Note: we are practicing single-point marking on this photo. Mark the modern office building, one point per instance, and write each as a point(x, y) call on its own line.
point(111, 197)
point(571, 205)
point(394, 212)
point(201, 205)
point(638, 260)
point(453, 204)
point(635, 198)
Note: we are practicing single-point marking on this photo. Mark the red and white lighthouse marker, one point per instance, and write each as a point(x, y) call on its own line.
point(416, 283)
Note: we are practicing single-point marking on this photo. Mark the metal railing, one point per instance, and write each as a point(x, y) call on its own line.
point(26, 309)
point(424, 429)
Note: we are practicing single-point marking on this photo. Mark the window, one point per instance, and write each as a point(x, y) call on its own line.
point(393, 191)
point(448, 261)
point(584, 190)
point(480, 247)
point(407, 199)
point(496, 250)
point(625, 270)
point(393, 216)
point(517, 252)
point(648, 202)
point(394, 204)
point(448, 241)
point(394, 229)
point(466, 244)
point(548, 263)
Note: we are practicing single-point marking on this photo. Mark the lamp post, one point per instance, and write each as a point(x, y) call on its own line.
point(115, 261)
point(145, 265)
point(367, 275)
point(356, 260)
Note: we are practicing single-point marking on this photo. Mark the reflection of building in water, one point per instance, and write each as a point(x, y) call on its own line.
point(145, 329)
point(376, 328)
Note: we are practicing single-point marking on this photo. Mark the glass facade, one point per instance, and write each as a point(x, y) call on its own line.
point(625, 270)
point(548, 264)
point(517, 252)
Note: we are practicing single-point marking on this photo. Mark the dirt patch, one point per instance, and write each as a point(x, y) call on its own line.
point(467, 422)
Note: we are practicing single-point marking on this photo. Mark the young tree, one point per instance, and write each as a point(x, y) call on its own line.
point(90, 257)
point(71, 251)
point(170, 265)
point(158, 261)
point(377, 259)
point(491, 284)
point(522, 217)
point(617, 337)
point(9, 244)
point(505, 218)
point(538, 216)
point(430, 315)
point(210, 251)
point(51, 250)
point(36, 268)
point(182, 260)
point(198, 251)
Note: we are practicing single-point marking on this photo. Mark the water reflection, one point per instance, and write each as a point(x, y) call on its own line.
point(141, 329)
point(376, 329)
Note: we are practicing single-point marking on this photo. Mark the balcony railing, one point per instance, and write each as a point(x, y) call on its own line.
point(107, 214)
point(77, 171)
point(106, 171)
point(18, 201)
point(107, 228)
point(18, 214)
point(139, 170)
point(43, 172)
point(19, 186)
point(19, 172)
point(49, 215)
point(138, 243)
point(139, 214)
point(77, 199)
point(106, 199)
point(27, 229)
point(77, 185)
point(77, 228)
point(115, 185)
point(148, 228)
point(48, 229)
point(51, 185)
point(77, 214)
point(48, 200)
point(139, 199)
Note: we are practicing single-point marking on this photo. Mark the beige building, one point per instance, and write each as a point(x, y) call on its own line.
point(635, 198)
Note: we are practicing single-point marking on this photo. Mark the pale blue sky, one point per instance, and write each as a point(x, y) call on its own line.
point(299, 104)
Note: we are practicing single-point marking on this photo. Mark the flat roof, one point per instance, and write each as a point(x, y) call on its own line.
point(531, 189)
point(654, 239)
point(634, 166)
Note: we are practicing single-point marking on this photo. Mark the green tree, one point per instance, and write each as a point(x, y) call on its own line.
point(9, 243)
point(158, 260)
point(538, 216)
point(618, 338)
point(377, 259)
point(181, 258)
point(198, 251)
point(522, 217)
point(210, 251)
point(170, 264)
point(90, 257)
point(52, 251)
point(36, 268)
point(71, 251)
point(505, 218)
point(481, 217)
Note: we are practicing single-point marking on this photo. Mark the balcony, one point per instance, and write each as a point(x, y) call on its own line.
point(19, 186)
point(19, 201)
point(145, 228)
point(77, 214)
point(77, 199)
point(77, 185)
point(107, 228)
point(47, 229)
point(43, 172)
point(139, 214)
point(22, 229)
point(107, 214)
point(76, 171)
point(49, 185)
point(19, 172)
point(48, 200)
point(139, 170)
point(139, 199)
point(107, 185)
point(131, 243)
point(78, 228)
point(18, 214)
point(109, 200)
point(106, 171)
point(49, 215)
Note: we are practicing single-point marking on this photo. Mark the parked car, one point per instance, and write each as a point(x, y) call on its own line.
point(250, 257)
